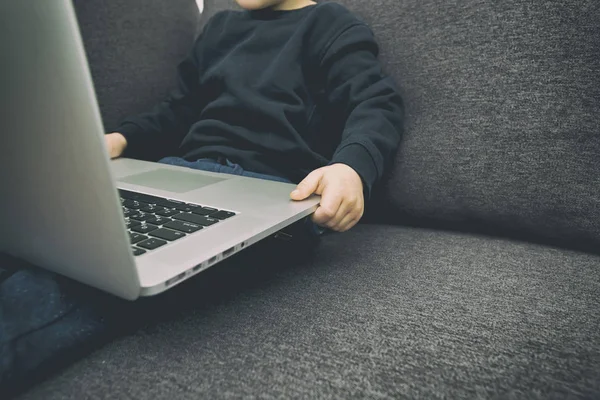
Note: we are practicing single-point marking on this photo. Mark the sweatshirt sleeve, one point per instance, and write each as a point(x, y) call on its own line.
point(153, 134)
point(367, 99)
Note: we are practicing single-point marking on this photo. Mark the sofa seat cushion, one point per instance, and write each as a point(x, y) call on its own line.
point(377, 312)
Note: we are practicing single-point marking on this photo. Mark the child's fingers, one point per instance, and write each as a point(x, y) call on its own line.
point(349, 220)
point(352, 213)
point(308, 186)
point(327, 212)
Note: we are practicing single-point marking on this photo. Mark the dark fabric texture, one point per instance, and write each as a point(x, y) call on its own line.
point(502, 105)
point(314, 95)
point(48, 322)
point(379, 312)
point(133, 48)
point(503, 113)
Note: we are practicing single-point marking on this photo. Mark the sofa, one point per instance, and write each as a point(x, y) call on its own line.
point(476, 271)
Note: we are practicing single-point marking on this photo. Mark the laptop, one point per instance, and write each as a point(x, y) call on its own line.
point(127, 227)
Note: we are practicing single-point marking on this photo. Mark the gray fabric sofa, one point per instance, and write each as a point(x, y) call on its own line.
point(477, 271)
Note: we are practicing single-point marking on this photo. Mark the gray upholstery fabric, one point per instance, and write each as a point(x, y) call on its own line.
point(503, 115)
point(133, 48)
point(503, 104)
point(380, 312)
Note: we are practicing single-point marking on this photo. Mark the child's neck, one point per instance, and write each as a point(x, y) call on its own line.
point(287, 5)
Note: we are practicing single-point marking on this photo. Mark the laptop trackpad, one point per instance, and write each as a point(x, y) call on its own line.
point(171, 181)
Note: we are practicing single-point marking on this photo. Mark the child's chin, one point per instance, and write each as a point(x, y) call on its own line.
point(253, 4)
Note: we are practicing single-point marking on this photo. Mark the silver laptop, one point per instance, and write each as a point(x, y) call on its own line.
point(127, 227)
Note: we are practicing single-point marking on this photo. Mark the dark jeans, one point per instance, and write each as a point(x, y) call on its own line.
point(221, 165)
point(47, 320)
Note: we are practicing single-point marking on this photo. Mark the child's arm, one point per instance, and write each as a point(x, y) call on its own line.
point(369, 102)
point(367, 99)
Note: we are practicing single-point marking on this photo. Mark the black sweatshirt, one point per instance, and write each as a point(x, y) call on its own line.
point(280, 93)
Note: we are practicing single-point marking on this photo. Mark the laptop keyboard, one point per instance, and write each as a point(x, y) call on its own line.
point(154, 222)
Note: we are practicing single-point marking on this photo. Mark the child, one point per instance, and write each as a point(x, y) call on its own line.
point(286, 90)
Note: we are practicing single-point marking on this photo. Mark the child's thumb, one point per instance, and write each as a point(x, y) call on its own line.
point(308, 186)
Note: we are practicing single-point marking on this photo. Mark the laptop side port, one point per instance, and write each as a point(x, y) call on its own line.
point(175, 279)
point(229, 252)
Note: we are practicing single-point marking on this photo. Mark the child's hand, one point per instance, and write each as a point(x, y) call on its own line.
point(342, 200)
point(115, 144)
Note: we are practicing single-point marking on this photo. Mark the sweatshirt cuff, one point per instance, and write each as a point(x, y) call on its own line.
point(132, 134)
point(360, 160)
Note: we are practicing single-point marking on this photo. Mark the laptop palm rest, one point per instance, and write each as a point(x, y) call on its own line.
point(172, 181)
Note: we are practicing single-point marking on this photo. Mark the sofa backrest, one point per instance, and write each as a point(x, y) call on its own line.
point(503, 102)
point(133, 48)
point(503, 113)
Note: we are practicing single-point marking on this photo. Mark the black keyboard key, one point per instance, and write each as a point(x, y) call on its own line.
point(131, 204)
point(204, 210)
point(165, 212)
point(186, 227)
point(208, 221)
point(158, 220)
point(128, 213)
point(151, 208)
point(144, 228)
point(152, 243)
point(131, 223)
point(222, 215)
point(196, 219)
point(133, 214)
point(169, 203)
point(136, 237)
point(137, 252)
point(141, 217)
point(126, 194)
point(187, 207)
point(146, 198)
point(193, 218)
point(134, 204)
point(167, 234)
